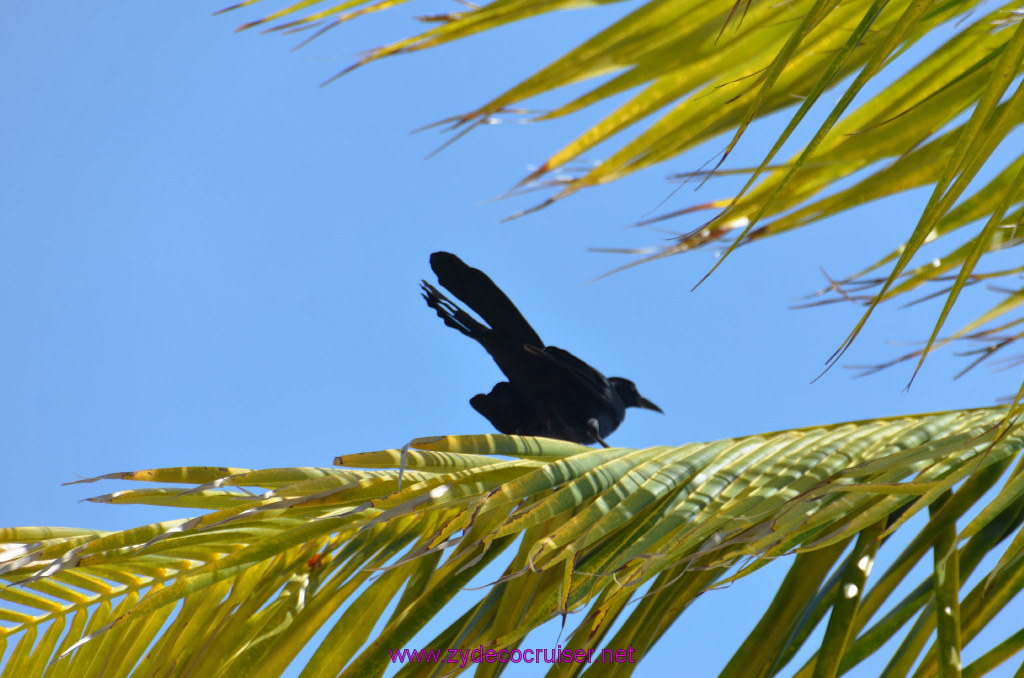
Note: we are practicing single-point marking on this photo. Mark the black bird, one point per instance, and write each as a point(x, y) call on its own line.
point(549, 392)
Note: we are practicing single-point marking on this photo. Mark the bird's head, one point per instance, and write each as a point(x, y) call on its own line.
point(630, 396)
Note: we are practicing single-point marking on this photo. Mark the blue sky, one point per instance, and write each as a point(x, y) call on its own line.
point(207, 259)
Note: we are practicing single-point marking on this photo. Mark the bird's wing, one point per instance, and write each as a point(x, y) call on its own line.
point(508, 409)
point(476, 290)
point(580, 370)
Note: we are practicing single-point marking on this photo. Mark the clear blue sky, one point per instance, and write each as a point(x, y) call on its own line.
point(206, 259)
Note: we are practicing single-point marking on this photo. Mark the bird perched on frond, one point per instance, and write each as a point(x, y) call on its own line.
point(549, 392)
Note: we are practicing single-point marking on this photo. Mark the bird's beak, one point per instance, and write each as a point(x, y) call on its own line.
point(647, 404)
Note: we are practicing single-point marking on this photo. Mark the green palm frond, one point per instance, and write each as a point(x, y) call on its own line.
point(617, 533)
point(716, 67)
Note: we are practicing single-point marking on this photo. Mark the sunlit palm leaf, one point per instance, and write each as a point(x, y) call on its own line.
point(242, 588)
point(716, 67)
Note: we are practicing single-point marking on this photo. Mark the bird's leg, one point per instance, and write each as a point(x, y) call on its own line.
point(595, 432)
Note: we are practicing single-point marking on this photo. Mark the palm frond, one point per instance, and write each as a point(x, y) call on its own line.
point(717, 68)
point(617, 534)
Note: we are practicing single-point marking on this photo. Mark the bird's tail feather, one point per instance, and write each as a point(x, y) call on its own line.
point(475, 289)
point(451, 314)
